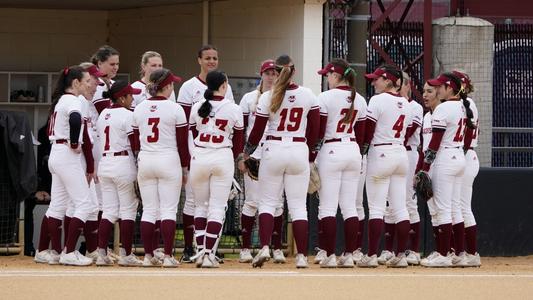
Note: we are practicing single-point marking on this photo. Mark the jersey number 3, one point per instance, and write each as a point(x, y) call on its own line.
point(216, 139)
point(154, 122)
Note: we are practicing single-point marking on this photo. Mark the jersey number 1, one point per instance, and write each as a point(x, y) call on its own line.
point(459, 134)
point(295, 118)
point(155, 130)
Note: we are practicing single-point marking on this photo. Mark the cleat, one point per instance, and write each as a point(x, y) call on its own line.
point(346, 261)
point(210, 261)
point(279, 257)
point(329, 262)
point(129, 261)
point(245, 256)
point(439, 261)
point(261, 257)
point(151, 261)
point(385, 256)
point(320, 255)
point(398, 261)
point(357, 255)
point(75, 258)
point(413, 258)
point(42, 257)
point(170, 262)
point(104, 260)
point(368, 262)
point(301, 261)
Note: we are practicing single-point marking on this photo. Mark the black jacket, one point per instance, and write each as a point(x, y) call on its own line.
point(18, 145)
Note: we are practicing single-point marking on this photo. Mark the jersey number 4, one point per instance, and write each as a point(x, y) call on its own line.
point(398, 126)
point(216, 139)
point(295, 118)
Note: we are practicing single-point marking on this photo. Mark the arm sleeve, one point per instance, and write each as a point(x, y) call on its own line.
point(74, 122)
point(87, 148)
point(360, 127)
point(238, 142)
point(434, 144)
point(370, 128)
point(373, 113)
point(182, 135)
point(313, 127)
point(101, 104)
point(184, 99)
point(469, 133)
point(257, 131)
point(410, 131)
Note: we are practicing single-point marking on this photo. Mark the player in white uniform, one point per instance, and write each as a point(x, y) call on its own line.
point(218, 128)
point(342, 125)
point(431, 101)
point(106, 59)
point(191, 92)
point(445, 155)
point(162, 162)
point(412, 141)
point(470, 257)
point(150, 61)
point(293, 117)
point(248, 105)
point(69, 180)
point(388, 116)
point(117, 173)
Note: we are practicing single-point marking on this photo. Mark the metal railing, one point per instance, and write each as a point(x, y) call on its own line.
point(510, 151)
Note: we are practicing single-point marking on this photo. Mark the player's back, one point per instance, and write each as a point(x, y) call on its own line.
point(156, 120)
point(114, 125)
point(288, 120)
point(392, 115)
point(59, 127)
point(336, 104)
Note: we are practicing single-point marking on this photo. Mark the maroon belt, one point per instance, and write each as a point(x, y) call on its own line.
point(120, 153)
point(383, 144)
point(279, 138)
point(337, 140)
point(61, 141)
point(408, 148)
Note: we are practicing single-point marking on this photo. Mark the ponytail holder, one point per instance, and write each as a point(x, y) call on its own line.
point(65, 71)
point(348, 70)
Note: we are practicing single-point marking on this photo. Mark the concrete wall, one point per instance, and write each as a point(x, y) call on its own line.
point(48, 40)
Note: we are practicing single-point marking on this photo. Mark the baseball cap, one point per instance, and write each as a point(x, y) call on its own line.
point(464, 78)
point(93, 71)
point(267, 65)
point(381, 73)
point(127, 90)
point(331, 68)
point(442, 79)
point(170, 78)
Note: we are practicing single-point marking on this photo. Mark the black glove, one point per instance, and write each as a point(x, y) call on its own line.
point(252, 165)
point(423, 186)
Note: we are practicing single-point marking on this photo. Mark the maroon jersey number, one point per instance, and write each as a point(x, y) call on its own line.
point(216, 139)
point(341, 126)
point(295, 118)
point(459, 134)
point(106, 131)
point(154, 122)
point(398, 126)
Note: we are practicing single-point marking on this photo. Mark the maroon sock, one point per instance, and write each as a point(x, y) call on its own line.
point(266, 226)
point(90, 232)
point(74, 230)
point(390, 231)
point(452, 240)
point(66, 224)
point(200, 225)
point(211, 235)
point(276, 233)
point(471, 239)
point(445, 232)
point(44, 237)
point(188, 229)
point(360, 234)
point(157, 235)
point(321, 241)
point(104, 231)
point(351, 228)
point(402, 234)
point(54, 230)
point(414, 236)
point(375, 228)
point(301, 234)
point(147, 235)
point(329, 228)
point(127, 228)
point(247, 224)
point(168, 231)
point(436, 237)
point(459, 237)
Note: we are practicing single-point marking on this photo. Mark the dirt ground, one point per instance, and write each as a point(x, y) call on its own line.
point(498, 278)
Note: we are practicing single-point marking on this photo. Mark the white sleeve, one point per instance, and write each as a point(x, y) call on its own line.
point(373, 111)
point(361, 107)
point(229, 94)
point(75, 106)
point(239, 120)
point(194, 114)
point(184, 95)
point(128, 124)
point(418, 113)
point(322, 105)
point(244, 105)
point(438, 119)
point(181, 119)
point(263, 106)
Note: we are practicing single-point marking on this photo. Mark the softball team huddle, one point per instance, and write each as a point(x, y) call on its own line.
point(108, 136)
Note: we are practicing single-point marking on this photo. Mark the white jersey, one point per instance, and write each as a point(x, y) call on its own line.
point(59, 127)
point(287, 120)
point(335, 105)
point(139, 84)
point(90, 116)
point(475, 120)
point(157, 121)
point(427, 131)
point(417, 115)
point(392, 115)
point(114, 125)
point(248, 106)
point(192, 91)
point(216, 131)
point(450, 116)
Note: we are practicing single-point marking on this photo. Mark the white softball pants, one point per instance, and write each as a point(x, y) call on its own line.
point(386, 181)
point(467, 182)
point(211, 179)
point(284, 165)
point(360, 189)
point(339, 167)
point(253, 198)
point(159, 179)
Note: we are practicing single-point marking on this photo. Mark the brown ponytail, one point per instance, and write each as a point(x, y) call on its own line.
point(349, 77)
point(285, 67)
point(460, 91)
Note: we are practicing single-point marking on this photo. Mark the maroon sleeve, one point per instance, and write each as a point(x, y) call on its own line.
point(360, 127)
point(258, 129)
point(313, 130)
point(469, 133)
point(238, 142)
point(87, 148)
point(134, 140)
point(101, 104)
point(182, 136)
point(187, 110)
point(410, 131)
point(370, 128)
point(194, 131)
point(434, 144)
point(420, 162)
